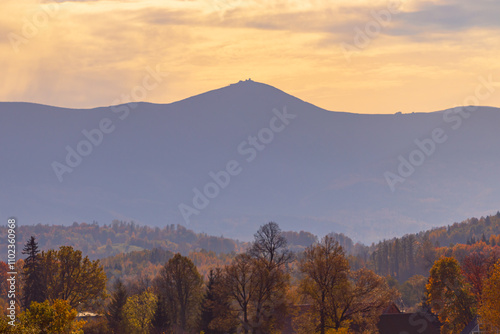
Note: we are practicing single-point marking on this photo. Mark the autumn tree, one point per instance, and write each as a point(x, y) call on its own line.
point(216, 317)
point(427, 254)
point(138, 312)
point(338, 295)
point(114, 314)
point(5, 327)
point(208, 303)
point(181, 285)
point(240, 283)
point(490, 307)
point(4, 284)
point(270, 246)
point(449, 295)
point(270, 257)
point(325, 270)
point(33, 288)
point(4, 288)
point(364, 300)
point(50, 317)
point(161, 321)
point(257, 281)
point(475, 268)
point(413, 291)
point(269, 300)
point(67, 275)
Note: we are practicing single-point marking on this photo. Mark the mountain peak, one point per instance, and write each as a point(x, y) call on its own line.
point(241, 93)
point(250, 84)
point(244, 82)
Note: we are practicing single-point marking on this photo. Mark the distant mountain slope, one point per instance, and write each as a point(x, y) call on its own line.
point(312, 170)
point(127, 249)
point(99, 241)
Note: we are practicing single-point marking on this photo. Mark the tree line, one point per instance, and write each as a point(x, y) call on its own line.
point(99, 241)
point(318, 288)
point(257, 292)
point(401, 258)
point(414, 254)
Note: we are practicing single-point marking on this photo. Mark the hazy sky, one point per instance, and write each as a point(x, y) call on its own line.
point(359, 56)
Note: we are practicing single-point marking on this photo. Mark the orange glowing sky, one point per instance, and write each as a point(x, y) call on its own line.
point(423, 56)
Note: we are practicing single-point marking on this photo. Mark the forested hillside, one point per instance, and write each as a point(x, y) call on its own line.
point(281, 270)
point(138, 267)
point(414, 254)
point(99, 241)
point(401, 258)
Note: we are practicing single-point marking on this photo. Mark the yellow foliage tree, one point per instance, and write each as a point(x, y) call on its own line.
point(5, 327)
point(68, 275)
point(47, 318)
point(490, 308)
point(139, 311)
point(449, 295)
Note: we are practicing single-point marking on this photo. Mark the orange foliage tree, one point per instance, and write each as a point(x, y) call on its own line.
point(449, 295)
point(490, 307)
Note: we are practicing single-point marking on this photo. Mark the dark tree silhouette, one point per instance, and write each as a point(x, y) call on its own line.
point(34, 290)
point(181, 285)
point(114, 313)
point(161, 321)
point(258, 280)
point(216, 317)
point(270, 245)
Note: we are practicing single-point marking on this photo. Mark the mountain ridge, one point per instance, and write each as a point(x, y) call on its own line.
point(241, 83)
point(324, 169)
